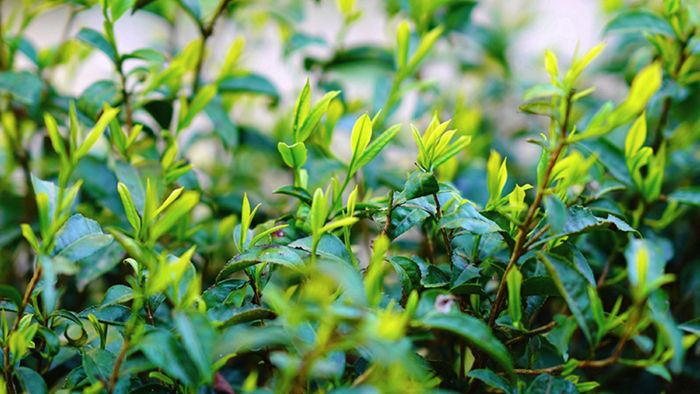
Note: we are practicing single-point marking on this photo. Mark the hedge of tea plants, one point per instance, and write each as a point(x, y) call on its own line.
point(420, 212)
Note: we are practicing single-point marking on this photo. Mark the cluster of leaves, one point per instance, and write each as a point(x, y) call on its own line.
point(131, 269)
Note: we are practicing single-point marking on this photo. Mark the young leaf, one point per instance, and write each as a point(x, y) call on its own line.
point(107, 115)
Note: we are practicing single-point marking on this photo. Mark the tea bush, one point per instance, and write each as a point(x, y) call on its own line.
point(184, 226)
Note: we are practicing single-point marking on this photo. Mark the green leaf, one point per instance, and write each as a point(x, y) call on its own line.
point(98, 364)
point(573, 287)
point(80, 237)
point(177, 210)
point(199, 337)
point(314, 117)
point(94, 96)
point(408, 272)
point(404, 218)
point(376, 146)
point(293, 156)
point(96, 40)
point(10, 293)
point(23, 86)
point(273, 254)
point(330, 247)
point(250, 83)
point(581, 220)
point(475, 331)
point(433, 277)
point(638, 21)
point(96, 132)
point(546, 384)
point(690, 196)
point(51, 192)
point(514, 280)
point(249, 315)
point(487, 376)
point(297, 192)
point(163, 350)
point(192, 7)
point(420, 184)
point(29, 235)
point(129, 208)
point(117, 294)
point(636, 136)
point(31, 381)
point(543, 90)
point(557, 213)
point(200, 100)
point(361, 134)
point(468, 219)
point(119, 7)
point(301, 110)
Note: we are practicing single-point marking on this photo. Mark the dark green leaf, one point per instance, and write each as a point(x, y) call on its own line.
point(420, 184)
point(161, 111)
point(573, 287)
point(273, 254)
point(556, 213)
point(404, 218)
point(96, 40)
point(247, 316)
point(11, 294)
point(163, 350)
point(250, 83)
point(297, 192)
point(690, 196)
point(80, 237)
point(467, 218)
point(31, 381)
point(98, 364)
point(548, 384)
point(638, 21)
point(408, 272)
point(24, 86)
point(474, 331)
point(487, 376)
point(199, 338)
point(581, 220)
point(329, 247)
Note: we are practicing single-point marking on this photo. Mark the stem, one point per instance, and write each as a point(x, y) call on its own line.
point(531, 333)
point(389, 211)
point(525, 228)
point(445, 237)
point(125, 94)
point(7, 368)
point(115, 371)
point(666, 108)
point(206, 31)
point(627, 331)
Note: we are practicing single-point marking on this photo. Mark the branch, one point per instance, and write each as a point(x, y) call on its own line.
point(525, 228)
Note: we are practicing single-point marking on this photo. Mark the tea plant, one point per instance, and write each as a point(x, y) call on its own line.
point(128, 267)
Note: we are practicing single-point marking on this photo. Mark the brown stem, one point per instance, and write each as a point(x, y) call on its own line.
point(627, 331)
point(206, 31)
point(532, 333)
point(117, 365)
point(525, 228)
point(389, 211)
point(535, 237)
point(606, 269)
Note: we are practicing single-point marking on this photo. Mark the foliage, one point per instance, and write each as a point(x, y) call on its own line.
point(133, 259)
